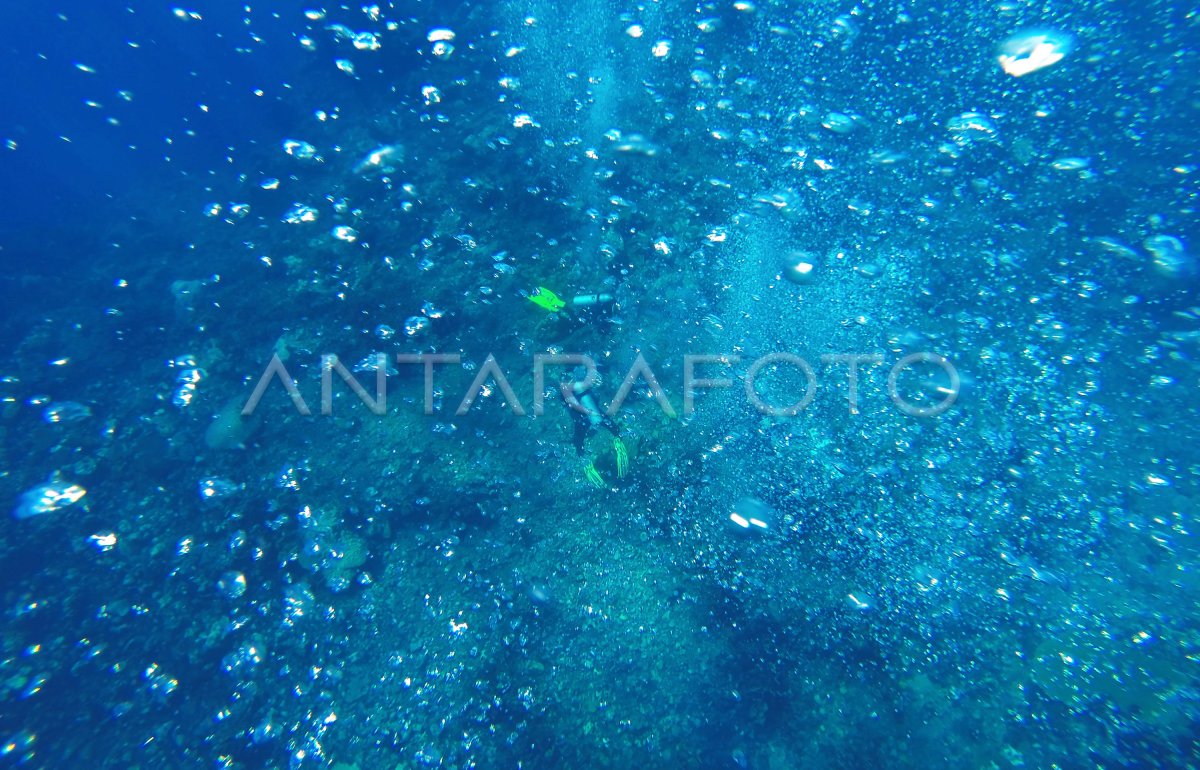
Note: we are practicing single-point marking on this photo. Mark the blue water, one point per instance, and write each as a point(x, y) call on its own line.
point(238, 540)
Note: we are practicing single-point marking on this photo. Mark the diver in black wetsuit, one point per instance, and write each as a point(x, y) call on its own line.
point(588, 419)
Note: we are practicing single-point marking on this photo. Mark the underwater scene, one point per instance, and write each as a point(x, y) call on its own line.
point(759, 384)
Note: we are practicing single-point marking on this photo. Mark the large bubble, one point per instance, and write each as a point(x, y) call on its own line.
point(1033, 50)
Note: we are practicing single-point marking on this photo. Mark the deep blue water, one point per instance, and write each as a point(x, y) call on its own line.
point(988, 561)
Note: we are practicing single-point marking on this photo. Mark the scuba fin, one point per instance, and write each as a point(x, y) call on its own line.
point(593, 475)
point(544, 298)
point(622, 455)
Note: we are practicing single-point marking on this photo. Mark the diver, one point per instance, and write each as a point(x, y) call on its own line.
point(588, 419)
point(579, 312)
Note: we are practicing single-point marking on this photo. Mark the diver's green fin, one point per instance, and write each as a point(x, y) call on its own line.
point(622, 456)
point(544, 298)
point(593, 475)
